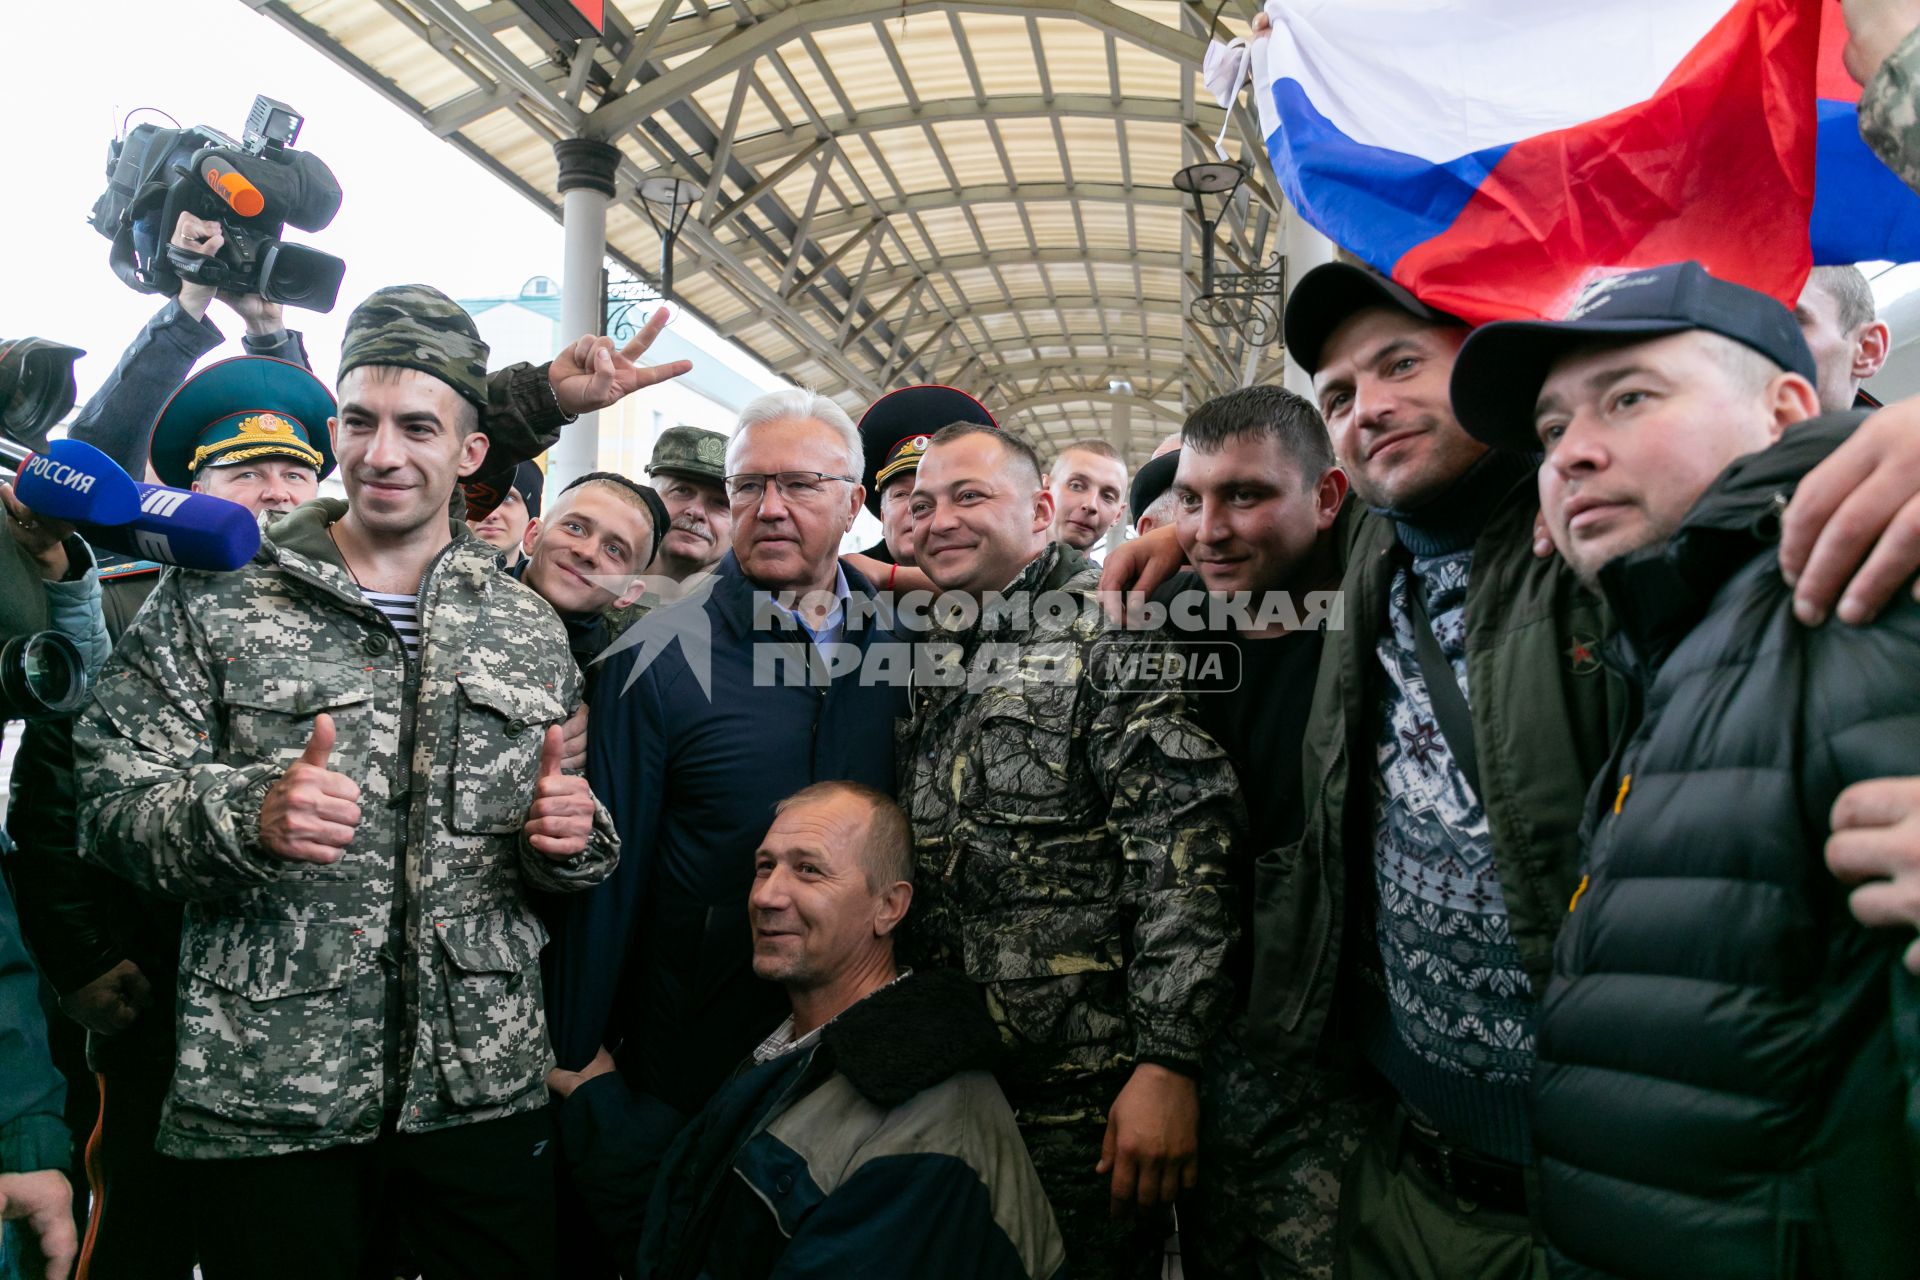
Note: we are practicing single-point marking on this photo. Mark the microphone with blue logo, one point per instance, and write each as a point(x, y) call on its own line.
point(71, 480)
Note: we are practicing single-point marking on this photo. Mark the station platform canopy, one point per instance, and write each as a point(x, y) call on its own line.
point(977, 194)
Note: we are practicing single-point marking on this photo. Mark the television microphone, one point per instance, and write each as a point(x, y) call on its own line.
point(71, 480)
point(178, 526)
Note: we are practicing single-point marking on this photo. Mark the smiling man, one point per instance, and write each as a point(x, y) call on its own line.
point(693, 745)
point(585, 558)
point(1255, 495)
point(1071, 834)
point(863, 1136)
point(1088, 482)
point(1723, 1085)
point(345, 756)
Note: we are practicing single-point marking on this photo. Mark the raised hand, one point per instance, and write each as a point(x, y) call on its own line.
point(311, 813)
point(592, 374)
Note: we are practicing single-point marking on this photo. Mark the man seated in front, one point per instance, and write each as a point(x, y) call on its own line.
point(1726, 1063)
point(865, 1136)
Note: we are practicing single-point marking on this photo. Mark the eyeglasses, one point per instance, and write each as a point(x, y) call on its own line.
point(748, 488)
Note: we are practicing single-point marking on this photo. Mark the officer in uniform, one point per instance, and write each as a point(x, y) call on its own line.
point(252, 430)
point(894, 432)
point(346, 757)
point(1071, 833)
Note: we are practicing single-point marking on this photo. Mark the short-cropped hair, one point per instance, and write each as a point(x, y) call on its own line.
point(1253, 413)
point(1016, 448)
point(1852, 295)
point(886, 854)
point(1098, 448)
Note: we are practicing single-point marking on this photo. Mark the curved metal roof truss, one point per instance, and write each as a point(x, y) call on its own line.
point(957, 191)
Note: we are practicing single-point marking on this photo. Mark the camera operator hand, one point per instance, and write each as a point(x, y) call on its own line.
point(262, 318)
point(311, 813)
point(591, 374)
point(196, 235)
point(44, 539)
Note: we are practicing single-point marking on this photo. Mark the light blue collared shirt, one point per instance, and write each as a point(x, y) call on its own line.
point(834, 628)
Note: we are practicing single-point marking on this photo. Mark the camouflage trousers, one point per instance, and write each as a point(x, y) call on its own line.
point(1063, 1132)
point(1272, 1150)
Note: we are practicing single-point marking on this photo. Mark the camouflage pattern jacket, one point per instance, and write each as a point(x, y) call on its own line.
point(1071, 840)
point(404, 978)
point(1890, 111)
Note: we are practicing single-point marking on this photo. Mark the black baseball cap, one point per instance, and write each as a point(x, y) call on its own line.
point(1333, 293)
point(530, 482)
point(1153, 478)
point(1502, 366)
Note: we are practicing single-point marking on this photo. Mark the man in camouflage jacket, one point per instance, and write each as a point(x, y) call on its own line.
point(353, 811)
point(1071, 833)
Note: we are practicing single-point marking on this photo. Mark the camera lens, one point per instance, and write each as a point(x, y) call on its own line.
point(36, 387)
point(300, 277)
point(41, 675)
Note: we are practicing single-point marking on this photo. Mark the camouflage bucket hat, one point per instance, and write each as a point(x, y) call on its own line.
point(415, 326)
point(692, 452)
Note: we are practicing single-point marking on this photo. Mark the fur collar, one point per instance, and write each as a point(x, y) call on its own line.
point(911, 1035)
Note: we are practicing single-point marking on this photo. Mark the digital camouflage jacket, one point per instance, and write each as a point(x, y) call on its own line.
point(404, 978)
point(1071, 838)
point(1890, 111)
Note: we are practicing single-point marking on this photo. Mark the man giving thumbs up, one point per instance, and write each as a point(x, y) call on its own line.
point(346, 756)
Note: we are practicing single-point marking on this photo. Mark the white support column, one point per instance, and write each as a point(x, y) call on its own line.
point(1306, 249)
point(1120, 436)
point(587, 167)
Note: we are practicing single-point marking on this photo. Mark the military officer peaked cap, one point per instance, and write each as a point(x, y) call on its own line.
point(240, 409)
point(896, 429)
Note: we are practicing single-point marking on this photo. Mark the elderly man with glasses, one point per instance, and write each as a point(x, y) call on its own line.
point(709, 711)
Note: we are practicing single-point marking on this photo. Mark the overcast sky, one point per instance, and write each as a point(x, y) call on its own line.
point(415, 209)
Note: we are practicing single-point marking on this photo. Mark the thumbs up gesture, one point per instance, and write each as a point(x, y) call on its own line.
point(561, 819)
point(310, 814)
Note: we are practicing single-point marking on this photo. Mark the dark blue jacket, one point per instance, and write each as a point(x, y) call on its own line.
point(883, 1149)
point(659, 957)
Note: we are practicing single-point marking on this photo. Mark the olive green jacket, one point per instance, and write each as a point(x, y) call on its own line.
point(1545, 711)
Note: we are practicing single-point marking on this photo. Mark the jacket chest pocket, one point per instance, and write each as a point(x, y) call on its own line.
point(1021, 762)
point(265, 1026)
point(271, 708)
point(491, 1037)
point(497, 750)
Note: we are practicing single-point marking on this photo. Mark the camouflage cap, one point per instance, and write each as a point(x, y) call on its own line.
point(415, 326)
point(690, 451)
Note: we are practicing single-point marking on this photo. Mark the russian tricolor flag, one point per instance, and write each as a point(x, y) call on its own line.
point(1494, 155)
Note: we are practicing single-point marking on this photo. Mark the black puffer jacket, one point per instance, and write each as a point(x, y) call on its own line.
point(1726, 1057)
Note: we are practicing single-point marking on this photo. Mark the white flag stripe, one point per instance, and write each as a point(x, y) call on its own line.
point(1441, 81)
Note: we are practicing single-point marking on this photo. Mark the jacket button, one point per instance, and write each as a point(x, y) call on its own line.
point(784, 1183)
point(516, 727)
point(398, 800)
point(375, 644)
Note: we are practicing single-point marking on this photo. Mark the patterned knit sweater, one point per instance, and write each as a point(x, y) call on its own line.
point(1448, 1011)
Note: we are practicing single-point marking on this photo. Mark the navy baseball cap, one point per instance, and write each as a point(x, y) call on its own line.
point(1333, 293)
point(1502, 366)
